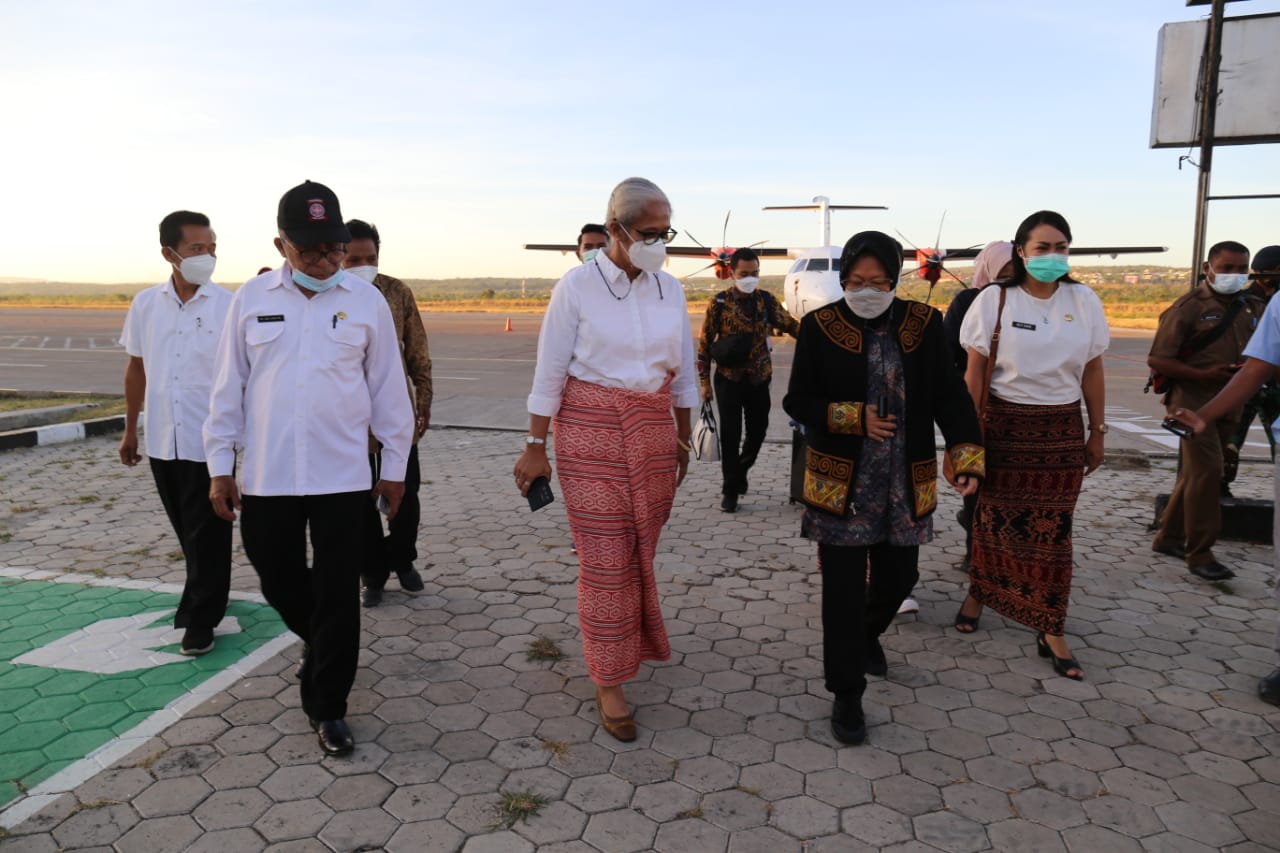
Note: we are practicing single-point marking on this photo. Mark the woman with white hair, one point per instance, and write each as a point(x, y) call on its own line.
point(616, 372)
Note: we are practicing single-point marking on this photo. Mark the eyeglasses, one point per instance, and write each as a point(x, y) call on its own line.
point(314, 255)
point(860, 284)
point(651, 237)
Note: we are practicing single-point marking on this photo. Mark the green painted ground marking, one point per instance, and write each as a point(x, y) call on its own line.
point(86, 666)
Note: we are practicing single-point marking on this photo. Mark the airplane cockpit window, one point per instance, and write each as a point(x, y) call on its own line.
point(818, 265)
point(797, 266)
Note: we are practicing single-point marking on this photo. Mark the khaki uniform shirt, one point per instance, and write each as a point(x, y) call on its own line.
point(1195, 313)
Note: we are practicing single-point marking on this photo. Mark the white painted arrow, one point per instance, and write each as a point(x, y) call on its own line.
point(117, 645)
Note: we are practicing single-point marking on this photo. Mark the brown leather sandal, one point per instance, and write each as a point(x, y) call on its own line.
point(622, 728)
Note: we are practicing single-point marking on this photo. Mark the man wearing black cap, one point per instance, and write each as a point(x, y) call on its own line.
point(307, 365)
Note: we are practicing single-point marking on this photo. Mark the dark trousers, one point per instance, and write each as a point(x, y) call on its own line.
point(399, 548)
point(320, 604)
point(738, 401)
point(205, 540)
point(852, 614)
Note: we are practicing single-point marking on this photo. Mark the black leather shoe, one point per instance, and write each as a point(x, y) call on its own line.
point(1269, 688)
point(1171, 551)
point(847, 723)
point(335, 736)
point(302, 662)
point(197, 641)
point(370, 596)
point(729, 503)
point(875, 660)
point(1212, 571)
point(410, 580)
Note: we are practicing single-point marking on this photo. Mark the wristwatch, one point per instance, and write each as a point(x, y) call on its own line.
point(533, 439)
point(1102, 428)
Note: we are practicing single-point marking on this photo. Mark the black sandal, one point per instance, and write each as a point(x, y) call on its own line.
point(966, 624)
point(1062, 666)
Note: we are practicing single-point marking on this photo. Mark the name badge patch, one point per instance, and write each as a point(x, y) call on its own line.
point(270, 318)
point(1209, 318)
point(1030, 327)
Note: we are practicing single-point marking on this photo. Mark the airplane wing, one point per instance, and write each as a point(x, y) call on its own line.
point(673, 251)
point(972, 252)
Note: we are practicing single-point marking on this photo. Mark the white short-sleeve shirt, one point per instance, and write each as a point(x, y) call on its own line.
point(177, 342)
point(1044, 343)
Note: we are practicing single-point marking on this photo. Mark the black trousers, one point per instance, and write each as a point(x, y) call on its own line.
point(321, 604)
point(206, 541)
point(852, 614)
point(738, 401)
point(399, 548)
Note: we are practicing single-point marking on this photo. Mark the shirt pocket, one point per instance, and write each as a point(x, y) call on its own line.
point(260, 334)
point(345, 344)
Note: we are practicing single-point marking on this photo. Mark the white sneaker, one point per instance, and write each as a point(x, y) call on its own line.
point(909, 605)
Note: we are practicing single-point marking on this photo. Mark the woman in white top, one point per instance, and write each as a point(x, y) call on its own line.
point(1049, 333)
point(616, 371)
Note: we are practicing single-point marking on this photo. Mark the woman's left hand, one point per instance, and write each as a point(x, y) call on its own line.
point(966, 484)
point(1093, 452)
point(682, 465)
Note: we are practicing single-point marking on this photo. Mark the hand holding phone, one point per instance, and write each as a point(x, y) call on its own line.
point(1178, 428)
point(540, 493)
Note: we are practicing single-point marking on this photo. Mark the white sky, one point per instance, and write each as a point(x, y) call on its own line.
point(466, 129)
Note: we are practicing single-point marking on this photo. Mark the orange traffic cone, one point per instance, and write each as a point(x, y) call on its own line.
point(508, 328)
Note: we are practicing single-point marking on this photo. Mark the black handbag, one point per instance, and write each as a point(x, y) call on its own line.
point(734, 350)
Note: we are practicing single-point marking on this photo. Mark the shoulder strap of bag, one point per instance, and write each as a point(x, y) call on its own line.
point(1198, 342)
point(991, 360)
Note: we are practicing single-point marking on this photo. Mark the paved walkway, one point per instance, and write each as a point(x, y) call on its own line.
point(973, 743)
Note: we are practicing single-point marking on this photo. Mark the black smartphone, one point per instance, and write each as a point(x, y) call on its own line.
point(1178, 428)
point(540, 493)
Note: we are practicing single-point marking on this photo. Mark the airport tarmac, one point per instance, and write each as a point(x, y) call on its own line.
point(482, 373)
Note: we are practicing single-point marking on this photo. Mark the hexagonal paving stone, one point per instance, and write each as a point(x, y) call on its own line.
point(620, 832)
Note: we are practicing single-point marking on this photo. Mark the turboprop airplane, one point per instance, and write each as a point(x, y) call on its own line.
point(813, 280)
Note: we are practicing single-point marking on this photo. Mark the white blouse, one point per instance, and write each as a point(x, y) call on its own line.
point(1044, 343)
point(633, 342)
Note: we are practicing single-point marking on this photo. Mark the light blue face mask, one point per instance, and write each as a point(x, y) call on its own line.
point(316, 285)
point(589, 255)
point(1048, 268)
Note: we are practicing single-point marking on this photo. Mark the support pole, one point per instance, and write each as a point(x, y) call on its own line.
point(1208, 120)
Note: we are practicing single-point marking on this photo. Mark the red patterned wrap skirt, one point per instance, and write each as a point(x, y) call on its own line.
point(616, 460)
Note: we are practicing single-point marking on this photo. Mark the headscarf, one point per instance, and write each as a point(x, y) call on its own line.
point(988, 263)
point(880, 246)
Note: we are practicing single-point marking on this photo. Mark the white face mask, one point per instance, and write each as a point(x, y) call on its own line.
point(747, 283)
point(197, 269)
point(1228, 283)
point(867, 302)
point(646, 256)
point(367, 273)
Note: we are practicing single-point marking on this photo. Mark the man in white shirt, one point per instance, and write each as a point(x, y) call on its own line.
point(308, 364)
point(171, 333)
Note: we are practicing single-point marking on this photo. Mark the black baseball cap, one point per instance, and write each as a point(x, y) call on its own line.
point(1267, 259)
point(309, 215)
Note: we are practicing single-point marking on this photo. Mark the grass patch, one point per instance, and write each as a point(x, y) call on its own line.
point(24, 508)
point(516, 806)
point(104, 405)
point(544, 649)
point(175, 556)
point(558, 749)
point(5, 537)
point(87, 499)
point(695, 812)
